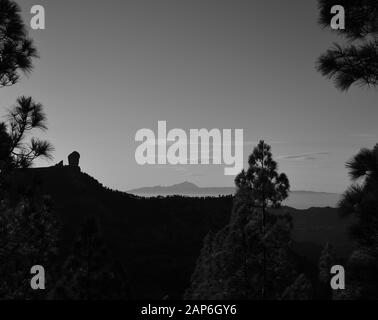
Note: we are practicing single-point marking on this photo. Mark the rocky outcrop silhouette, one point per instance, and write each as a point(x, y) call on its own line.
point(74, 159)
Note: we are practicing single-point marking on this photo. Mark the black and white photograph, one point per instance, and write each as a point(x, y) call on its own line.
point(188, 151)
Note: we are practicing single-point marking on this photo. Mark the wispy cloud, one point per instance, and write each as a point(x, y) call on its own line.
point(304, 156)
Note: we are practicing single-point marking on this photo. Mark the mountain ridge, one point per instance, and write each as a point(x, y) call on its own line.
point(194, 186)
point(297, 199)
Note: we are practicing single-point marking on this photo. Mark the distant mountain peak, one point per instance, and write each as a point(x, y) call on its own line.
point(186, 184)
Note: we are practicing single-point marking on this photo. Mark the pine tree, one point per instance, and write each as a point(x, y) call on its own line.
point(24, 117)
point(361, 201)
point(326, 261)
point(301, 289)
point(356, 63)
point(361, 276)
point(267, 187)
point(16, 56)
point(29, 236)
point(89, 273)
point(28, 228)
point(251, 257)
point(16, 48)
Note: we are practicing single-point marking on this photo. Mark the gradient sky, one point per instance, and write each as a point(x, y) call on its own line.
point(110, 68)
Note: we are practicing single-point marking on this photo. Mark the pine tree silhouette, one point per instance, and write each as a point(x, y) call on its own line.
point(29, 234)
point(16, 49)
point(356, 63)
point(251, 257)
point(89, 273)
point(361, 202)
point(301, 289)
point(326, 261)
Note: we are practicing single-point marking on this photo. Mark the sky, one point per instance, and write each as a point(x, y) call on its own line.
point(108, 69)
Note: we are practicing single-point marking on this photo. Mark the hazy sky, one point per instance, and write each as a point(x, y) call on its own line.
point(110, 68)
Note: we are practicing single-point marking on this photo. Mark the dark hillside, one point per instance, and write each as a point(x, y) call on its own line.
point(165, 233)
point(159, 239)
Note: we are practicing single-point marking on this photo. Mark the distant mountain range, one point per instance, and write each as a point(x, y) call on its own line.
point(297, 199)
